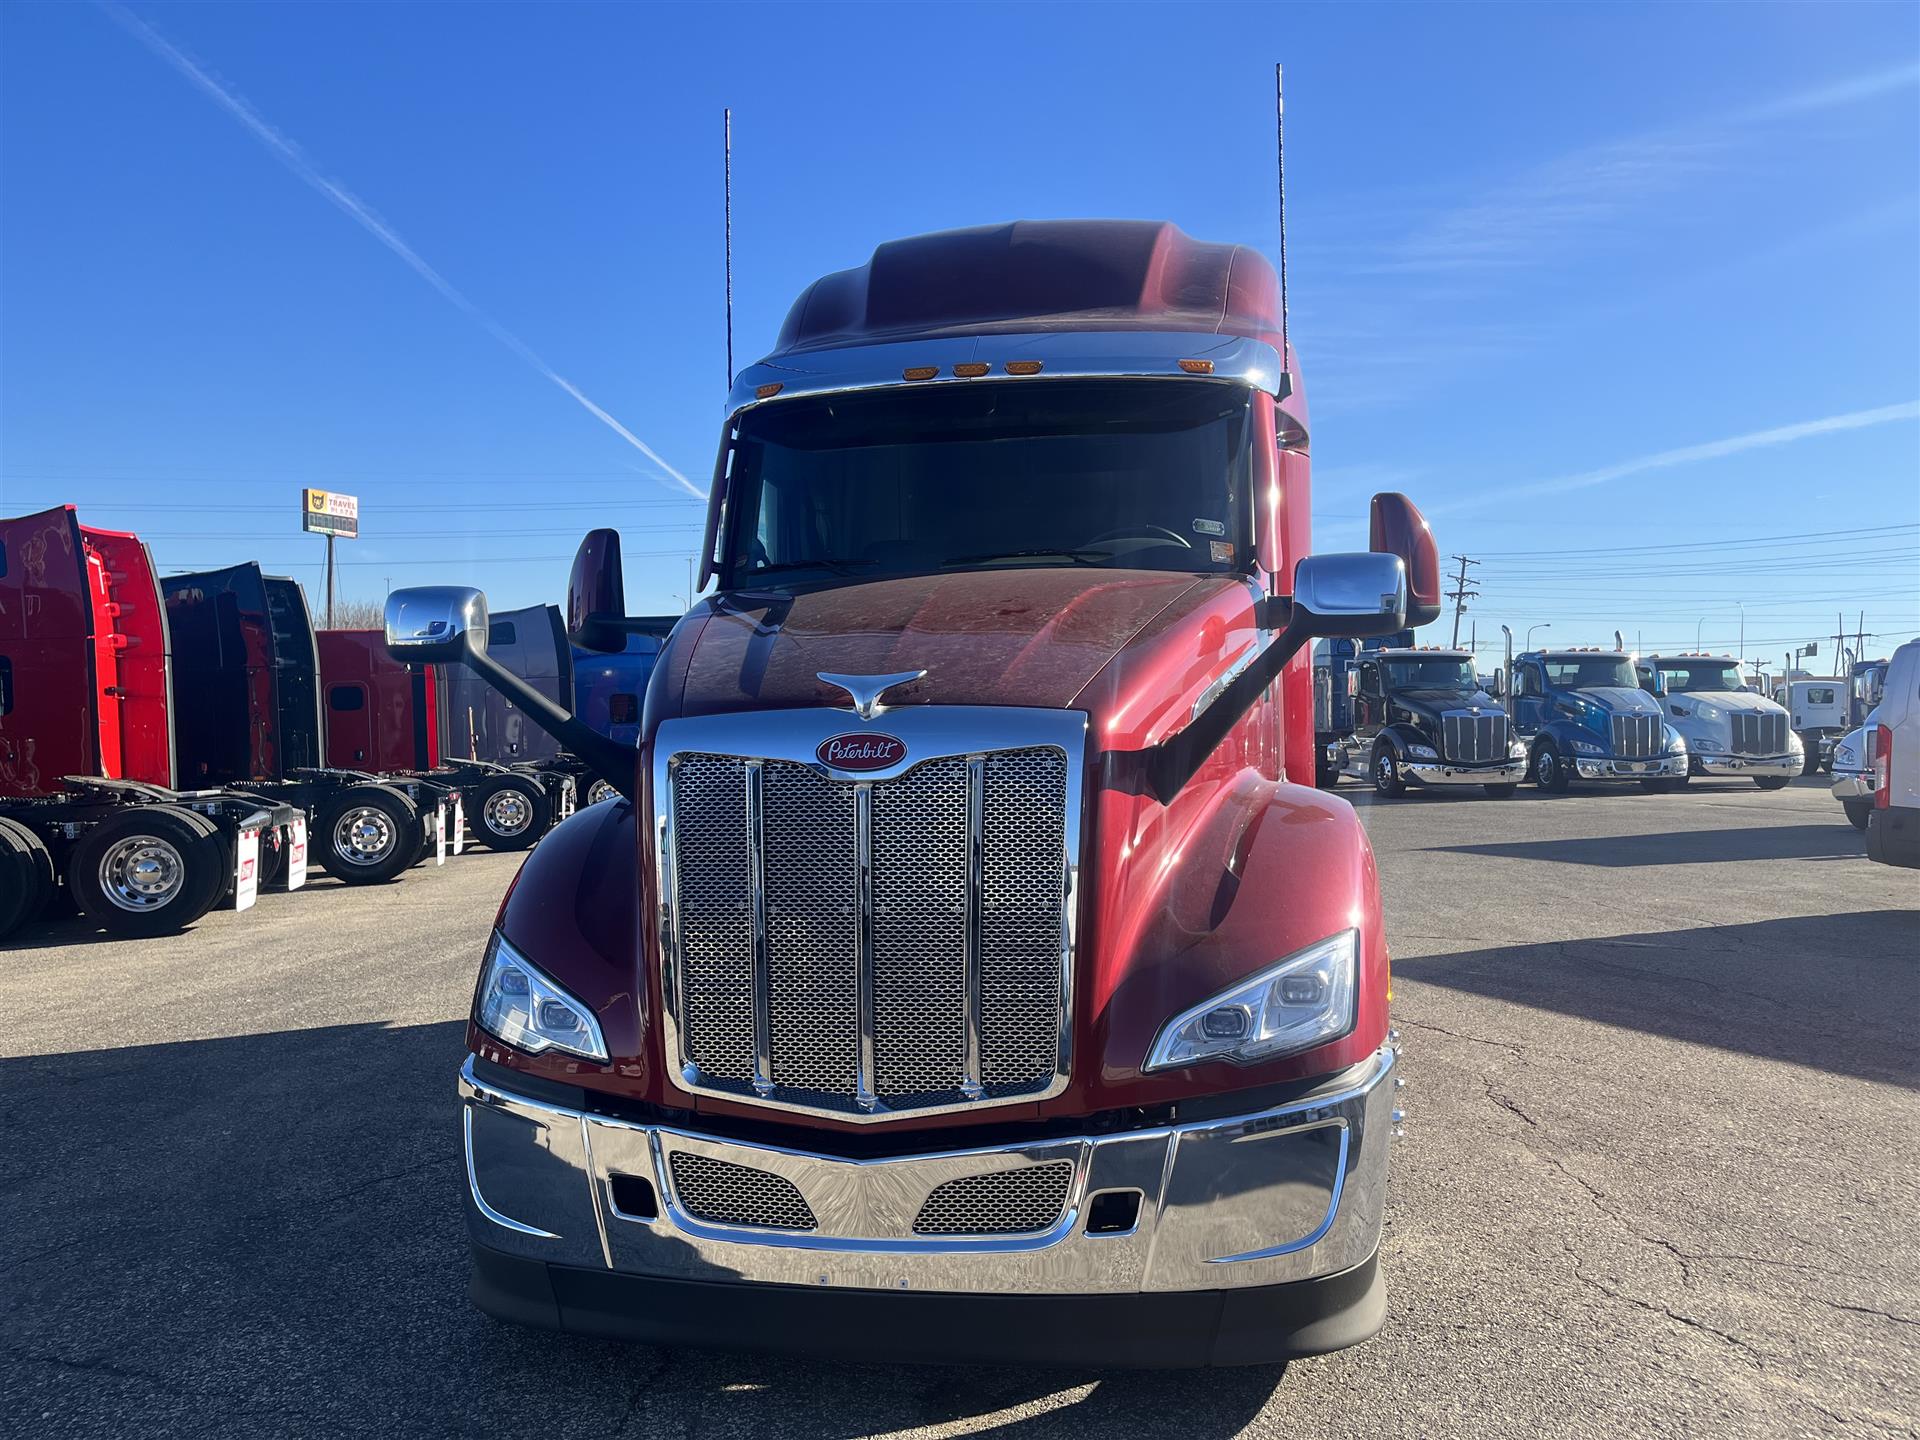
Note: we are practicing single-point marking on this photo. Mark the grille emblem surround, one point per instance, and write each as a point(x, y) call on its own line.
point(857, 751)
point(866, 690)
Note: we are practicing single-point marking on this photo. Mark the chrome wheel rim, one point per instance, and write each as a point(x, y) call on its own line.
point(1547, 767)
point(507, 812)
point(598, 791)
point(142, 873)
point(363, 835)
point(1383, 770)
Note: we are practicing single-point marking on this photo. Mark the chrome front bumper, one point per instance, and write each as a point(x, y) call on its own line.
point(1288, 1194)
point(1437, 773)
point(1853, 784)
point(1749, 766)
point(1655, 767)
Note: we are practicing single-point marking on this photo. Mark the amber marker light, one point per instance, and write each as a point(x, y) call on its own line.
point(1023, 367)
point(919, 372)
point(767, 392)
point(1197, 367)
point(972, 369)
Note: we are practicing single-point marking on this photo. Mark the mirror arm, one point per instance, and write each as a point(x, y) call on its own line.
point(1177, 759)
point(609, 759)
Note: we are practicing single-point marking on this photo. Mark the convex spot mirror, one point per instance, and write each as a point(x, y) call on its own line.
point(597, 594)
point(434, 624)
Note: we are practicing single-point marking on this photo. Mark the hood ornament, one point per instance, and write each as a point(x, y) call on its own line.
point(865, 690)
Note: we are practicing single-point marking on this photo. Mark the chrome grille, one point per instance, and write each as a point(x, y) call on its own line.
point(1760, 734)
point(1636, 737)
point(1005, 1202)
point(1473, 739)
point(931, 976)
point(729, 1194)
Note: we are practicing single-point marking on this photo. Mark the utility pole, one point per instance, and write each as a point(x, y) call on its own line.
point(329, 580)
point(1460, 594)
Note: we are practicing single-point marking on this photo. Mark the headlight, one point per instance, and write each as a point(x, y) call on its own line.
point(1422, 752)
point(1843, 757)
point(1794, 744)
point(1675, 744)
point(1709, 713)
point(1587, 747)
point(1305, 1000)
point(1517, 750)
point(528, 1011)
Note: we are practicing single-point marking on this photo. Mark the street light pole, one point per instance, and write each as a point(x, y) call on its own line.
point(1543, 625)
point(1696, 633)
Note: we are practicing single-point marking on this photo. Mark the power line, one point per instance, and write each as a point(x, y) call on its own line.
point(1800, 537)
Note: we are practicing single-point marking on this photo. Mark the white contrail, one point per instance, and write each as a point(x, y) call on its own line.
point(1688, 454)
point(290, 155)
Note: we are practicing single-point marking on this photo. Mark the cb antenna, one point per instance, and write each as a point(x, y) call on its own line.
point(1280, 153)
point(726, 119)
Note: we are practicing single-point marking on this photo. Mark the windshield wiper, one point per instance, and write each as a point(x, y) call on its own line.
point(1078, 557)
point(837, 567)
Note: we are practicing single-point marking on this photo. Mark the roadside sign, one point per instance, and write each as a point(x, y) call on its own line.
point(328, 512)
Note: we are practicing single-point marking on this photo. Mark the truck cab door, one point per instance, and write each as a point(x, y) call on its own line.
point(1529, 698)
point(350, 728)
point(1369, 706)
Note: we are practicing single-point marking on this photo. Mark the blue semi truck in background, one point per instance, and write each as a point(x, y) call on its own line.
point(1582, 715)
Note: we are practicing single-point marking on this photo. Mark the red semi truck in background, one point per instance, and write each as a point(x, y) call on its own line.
point(88, 803)
point(972, 970)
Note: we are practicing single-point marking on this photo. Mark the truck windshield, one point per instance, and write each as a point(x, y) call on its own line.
point(1128, 474)
point(1589, 672)
point(1440, 672)
point(1701, 675)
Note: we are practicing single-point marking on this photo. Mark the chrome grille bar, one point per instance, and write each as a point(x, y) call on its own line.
point(863, 1089)
point(757, 908)
point(976, 890)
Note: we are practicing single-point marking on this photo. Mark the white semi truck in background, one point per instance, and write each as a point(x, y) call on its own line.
point(1731, 729)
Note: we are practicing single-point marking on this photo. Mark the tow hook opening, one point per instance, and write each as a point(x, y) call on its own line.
point(1113, 1212)
point(634, 1197)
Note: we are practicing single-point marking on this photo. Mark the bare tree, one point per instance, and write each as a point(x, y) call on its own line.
point(350, 615)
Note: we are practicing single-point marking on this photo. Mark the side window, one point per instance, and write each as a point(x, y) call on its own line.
point(6, 680)
point(346, 697)
point(500, 632)
point(623, 709)
point(1646, 681)
point(1369, 679)
point(1530, 680)
point(3, 559)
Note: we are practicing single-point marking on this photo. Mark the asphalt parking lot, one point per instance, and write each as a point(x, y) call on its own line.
point(1659, 1174)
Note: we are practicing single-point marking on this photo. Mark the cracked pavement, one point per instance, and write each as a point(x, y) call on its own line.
point(1658, 1179)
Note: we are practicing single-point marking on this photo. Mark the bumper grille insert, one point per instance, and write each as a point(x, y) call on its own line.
point(729, 1194)
point(1005, 1202)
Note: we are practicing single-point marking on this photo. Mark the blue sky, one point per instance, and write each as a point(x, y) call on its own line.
point(1583, 281)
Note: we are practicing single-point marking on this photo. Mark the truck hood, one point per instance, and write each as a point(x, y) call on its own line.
point(1031, 637)
point(1734, 702)
point(1438, 701)
point(1621, 699)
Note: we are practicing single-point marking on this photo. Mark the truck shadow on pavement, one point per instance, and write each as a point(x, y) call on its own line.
point(1831, 992)
point(1838, 841)
point(265, 1233)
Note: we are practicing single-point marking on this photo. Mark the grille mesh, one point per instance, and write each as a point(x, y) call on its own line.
point(729, 1194)
point(1022, 918)
point(920, 894)
point(813, 900)
point(920, 930)
point(1636, 737)
point(715, 923)
point(1472, 739)
point(1006, 1202)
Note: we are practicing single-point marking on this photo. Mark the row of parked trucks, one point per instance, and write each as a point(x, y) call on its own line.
point(172, 743)
point(1398, 715)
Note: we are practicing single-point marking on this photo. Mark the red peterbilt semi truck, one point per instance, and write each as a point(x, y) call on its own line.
point(971, 971)
point(88, 802)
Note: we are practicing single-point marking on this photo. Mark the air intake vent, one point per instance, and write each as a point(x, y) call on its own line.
point(1006, 1202)
point(729, 1194)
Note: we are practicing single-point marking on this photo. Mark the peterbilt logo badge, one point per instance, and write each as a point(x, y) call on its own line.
point(862, 752)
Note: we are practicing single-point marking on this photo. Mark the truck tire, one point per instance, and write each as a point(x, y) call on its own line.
point(1858, 812)
point(512, 812)
point(1771, 782)
point(149, 870)
point(1386, 772)
point(1811, 764)
point(26, 875)
point(1500, 792)
point(1550, 771)
point(368, 835)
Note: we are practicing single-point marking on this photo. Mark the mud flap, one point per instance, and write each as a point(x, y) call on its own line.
point(297, 853)
point(459, 824)
point(246, 868)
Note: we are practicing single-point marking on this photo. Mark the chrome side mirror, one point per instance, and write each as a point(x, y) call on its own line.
point(1497, 687)
point(433, 624)
point(1353, 596)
